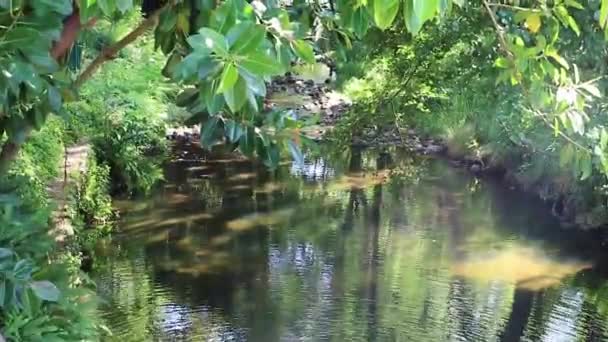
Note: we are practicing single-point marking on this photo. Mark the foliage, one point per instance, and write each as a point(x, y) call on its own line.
point(39, 302)
point(36, 165)
point(122, 115)
point(91, 198)
point(131, 145)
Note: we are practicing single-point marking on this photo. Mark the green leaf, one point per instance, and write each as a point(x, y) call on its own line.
point(45, 290)
point(236, 96)
point(502, 62)
point(261, 64)
point(255, 83)
point(223, 18)
point(412, 22)
point(591, 89)
point(228, 79)
point(210, 40)
point(63, 7)
point(106, 6)
point(208, 68)
point(574, 3)
point(604, 13)
point(247, 141)
point(425, 9)
point(208, 132)
point(245, 37)
point(232, 130)
point(553, 54)
point(272, 157)
point(574, 26)
point(360, 22)
point(296, 153)
point(214, 102)
point(303, 50)
point(283, 54)
point(124, 5)
point(186, 97)
point(55, 100)
point(385, 12)
point(187, 67)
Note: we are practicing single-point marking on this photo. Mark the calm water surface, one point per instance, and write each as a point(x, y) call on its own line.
point(366, 246)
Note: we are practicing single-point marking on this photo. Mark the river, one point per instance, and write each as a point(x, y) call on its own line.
point(361, 245)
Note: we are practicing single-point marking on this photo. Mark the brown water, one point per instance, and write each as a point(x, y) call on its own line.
point(364, 246)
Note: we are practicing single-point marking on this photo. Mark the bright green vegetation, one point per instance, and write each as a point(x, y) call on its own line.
point(449, 82)
point(516, 85)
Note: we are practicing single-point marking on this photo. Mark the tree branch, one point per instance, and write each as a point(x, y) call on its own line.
point(501, 35)
point(110, 52)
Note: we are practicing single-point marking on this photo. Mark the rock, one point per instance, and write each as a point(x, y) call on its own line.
point(434, 149)
point(476, 168)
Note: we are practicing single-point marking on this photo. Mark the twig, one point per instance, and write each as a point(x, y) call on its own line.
point(109, 53)
point(559, 132)
point(499, 30)
point(516, 8)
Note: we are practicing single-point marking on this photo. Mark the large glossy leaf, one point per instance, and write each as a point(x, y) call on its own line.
point(385, 12)
point(229, 77)
point(425, 9)
point(45, 290)
point(63, 7)
point(412, 21)
point(107, 6)
point(209, 40)
point(360, 22)
point(232, 130)
point(245, 37)
point(283, 54)
point(208, 68)
point(247, 141)
point(272, 156)
point(124, 5)
point(188, 66)
point(236, 96)
point(224, 17)
point(255, 83)
point(208, 132)
point(213, 101)
point(261, 64)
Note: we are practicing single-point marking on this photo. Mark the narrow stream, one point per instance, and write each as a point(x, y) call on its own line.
point(366, 246)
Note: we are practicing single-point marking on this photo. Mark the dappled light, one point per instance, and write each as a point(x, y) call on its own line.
point(524, 267)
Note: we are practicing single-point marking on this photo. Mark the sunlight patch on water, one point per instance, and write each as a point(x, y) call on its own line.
point(259, 219)
point(524, 266)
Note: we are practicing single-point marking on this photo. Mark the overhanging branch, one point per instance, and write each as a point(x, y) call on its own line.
point(110, 52)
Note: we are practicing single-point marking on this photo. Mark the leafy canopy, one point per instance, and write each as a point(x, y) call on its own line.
point(224, 53)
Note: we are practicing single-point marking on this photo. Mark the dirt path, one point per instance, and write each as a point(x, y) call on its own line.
point(73, 165)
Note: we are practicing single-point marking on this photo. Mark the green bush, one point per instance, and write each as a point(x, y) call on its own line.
point(91, 198)
point(37, 165)
point(133, 145)
point(122, 114)
point(39, 296)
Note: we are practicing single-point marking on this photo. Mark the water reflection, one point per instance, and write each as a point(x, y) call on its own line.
point(381, 246)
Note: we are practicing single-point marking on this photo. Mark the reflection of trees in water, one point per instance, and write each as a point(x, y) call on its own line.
point(366, 263)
